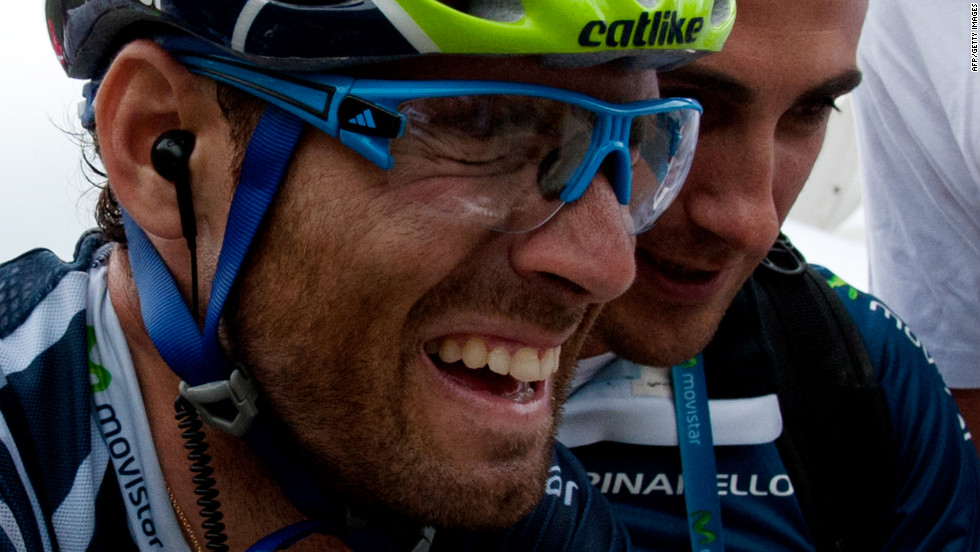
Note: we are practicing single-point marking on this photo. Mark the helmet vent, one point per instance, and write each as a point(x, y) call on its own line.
point(504, 11)
point(310, 3)
point(720, 11)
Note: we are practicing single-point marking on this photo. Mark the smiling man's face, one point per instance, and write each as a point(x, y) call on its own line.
point(766, 97)
point(349, 311)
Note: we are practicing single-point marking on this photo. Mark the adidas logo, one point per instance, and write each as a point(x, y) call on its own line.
point(367, 119)
point(364, 119)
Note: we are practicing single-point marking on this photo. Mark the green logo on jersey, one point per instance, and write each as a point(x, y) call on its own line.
point(836, 282)
point(99, 377)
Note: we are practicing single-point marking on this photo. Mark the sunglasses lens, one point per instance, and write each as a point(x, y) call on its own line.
point(502, 161)
point(661, 149)
point(498, 161)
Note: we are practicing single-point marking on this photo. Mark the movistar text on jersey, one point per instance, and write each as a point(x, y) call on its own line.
point(658, 28)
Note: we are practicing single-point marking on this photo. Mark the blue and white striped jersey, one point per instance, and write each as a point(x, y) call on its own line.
point(57, 485)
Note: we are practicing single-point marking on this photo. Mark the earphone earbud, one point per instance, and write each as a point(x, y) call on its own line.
point(170, 156)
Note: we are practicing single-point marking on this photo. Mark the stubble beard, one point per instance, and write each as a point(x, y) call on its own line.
point(661, 342)
point(359, 438)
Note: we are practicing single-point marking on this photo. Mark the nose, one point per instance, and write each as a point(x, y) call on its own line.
point(729, 191)
point(587, 248)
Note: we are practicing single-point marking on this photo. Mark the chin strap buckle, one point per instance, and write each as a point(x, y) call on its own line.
point(229, 405)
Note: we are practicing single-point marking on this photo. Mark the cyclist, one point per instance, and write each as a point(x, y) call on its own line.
point(900, 477)
point(360, 241)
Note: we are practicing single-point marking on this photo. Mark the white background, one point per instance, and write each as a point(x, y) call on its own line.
point(46, 200)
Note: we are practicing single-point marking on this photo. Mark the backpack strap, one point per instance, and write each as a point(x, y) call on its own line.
point(836, 442)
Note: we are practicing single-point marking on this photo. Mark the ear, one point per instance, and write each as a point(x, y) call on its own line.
point(144, 94)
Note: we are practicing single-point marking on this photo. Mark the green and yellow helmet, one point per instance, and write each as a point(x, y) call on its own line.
point(317, 35)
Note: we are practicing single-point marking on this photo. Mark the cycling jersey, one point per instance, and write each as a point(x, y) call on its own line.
point(78, 468)
point(620, 421)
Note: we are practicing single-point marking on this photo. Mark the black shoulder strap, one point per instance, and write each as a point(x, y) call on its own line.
point(836, 441)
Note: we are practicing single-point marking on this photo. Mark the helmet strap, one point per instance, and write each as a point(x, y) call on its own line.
point(197, 357)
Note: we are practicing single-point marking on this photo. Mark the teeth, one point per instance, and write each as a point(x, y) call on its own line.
point(474, 354)
point(527, 364)
point(499, 361)
point(450, 352)
point(549, 362)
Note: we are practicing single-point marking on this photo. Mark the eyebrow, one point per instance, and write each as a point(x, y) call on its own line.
point(738, 92)
point(834, 87)
point(703, 77)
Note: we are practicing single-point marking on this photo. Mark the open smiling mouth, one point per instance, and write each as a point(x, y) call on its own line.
point(516, 376)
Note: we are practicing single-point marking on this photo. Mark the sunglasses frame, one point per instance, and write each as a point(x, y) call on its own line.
point(362, 113)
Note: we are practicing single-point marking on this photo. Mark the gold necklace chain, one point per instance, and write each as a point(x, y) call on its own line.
point(184, 522)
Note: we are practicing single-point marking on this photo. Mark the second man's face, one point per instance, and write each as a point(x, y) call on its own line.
point(766, 97)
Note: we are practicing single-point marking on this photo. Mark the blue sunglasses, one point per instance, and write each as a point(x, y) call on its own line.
point(502, 155)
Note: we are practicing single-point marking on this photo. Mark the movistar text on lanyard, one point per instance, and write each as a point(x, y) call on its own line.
point(697, 456)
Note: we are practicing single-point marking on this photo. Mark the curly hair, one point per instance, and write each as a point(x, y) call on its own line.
point(242, 112)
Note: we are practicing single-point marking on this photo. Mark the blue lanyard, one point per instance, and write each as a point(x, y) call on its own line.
point(697, 456)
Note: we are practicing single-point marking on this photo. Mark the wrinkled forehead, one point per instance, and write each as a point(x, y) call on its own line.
point(612, 81)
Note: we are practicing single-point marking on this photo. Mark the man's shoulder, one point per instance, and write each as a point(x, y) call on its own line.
point(26, 281)
point(45, 396)
point(52, 458)
point(44, 340)
point(875, 322)
point(886, 336)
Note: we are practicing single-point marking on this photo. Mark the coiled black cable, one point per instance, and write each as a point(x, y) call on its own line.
point(204, 484)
